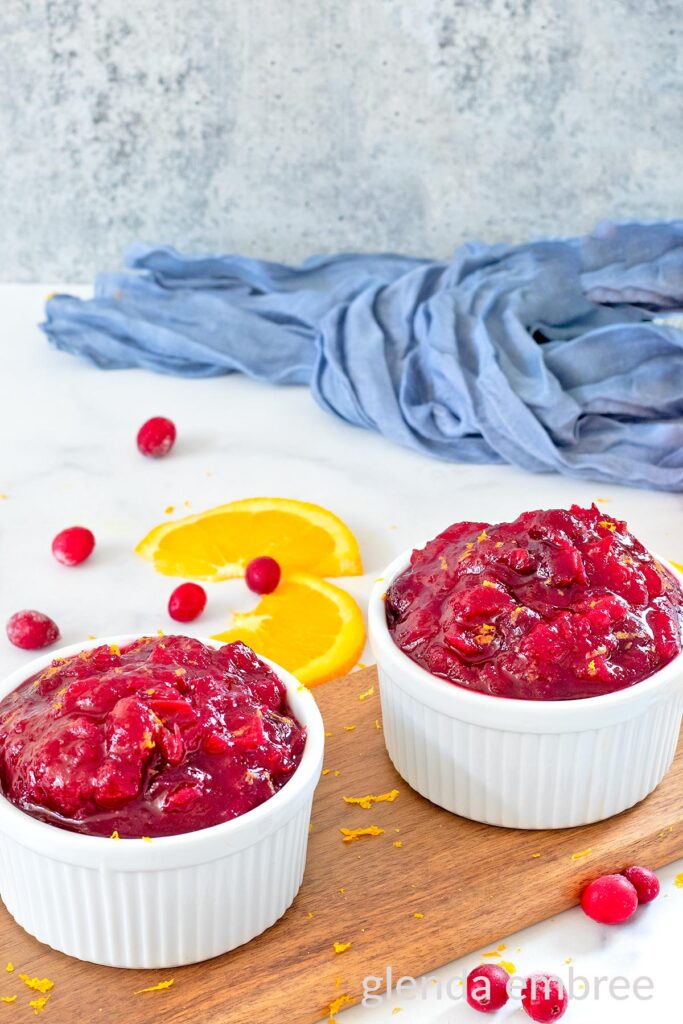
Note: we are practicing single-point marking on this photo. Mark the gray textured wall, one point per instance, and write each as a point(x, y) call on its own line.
point(283, 127)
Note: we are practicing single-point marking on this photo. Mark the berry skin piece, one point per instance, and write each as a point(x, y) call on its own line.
point(544, 997)
point(263, 575)
point(73, 545)
point(610, 899)
point(156, 437)
point(644, 881)
point(187, 602)
point(487, 988)
point(31, 630)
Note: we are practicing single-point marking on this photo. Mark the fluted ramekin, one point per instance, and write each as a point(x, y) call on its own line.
point(177, 899)
point(522, 763)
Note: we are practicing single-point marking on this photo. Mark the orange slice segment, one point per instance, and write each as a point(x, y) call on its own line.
point(310, 627)
point(217, 544)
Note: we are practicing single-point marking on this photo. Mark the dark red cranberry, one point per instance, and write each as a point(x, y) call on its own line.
point(263, 575)
point(544, 997)
point(610, 899)
point(31, 630)
point(156, 437)
point(644, 881)
point(187, 602)
point(73, 545)
point(487, 988)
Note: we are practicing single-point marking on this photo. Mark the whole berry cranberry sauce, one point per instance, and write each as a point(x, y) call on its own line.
point(163, 736)
point(554, 606)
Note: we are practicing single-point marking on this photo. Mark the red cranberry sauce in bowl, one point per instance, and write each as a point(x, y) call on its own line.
point(557, 605)
point(162, 736)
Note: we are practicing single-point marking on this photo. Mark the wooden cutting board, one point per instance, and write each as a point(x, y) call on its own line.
point(471, 883)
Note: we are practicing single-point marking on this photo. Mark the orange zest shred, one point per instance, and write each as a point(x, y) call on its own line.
point(147, 740)
point(366, 802)
point(678, 881)
point(114, 835)
point(146, 839)
point(156, 988)
point(508, 966)
point(377, 725)
point(341, 947)
point(418, 915)
point(336, 1005)
point(349, 728)
point(482, 537)
point(349, 835)
point(368, 693)
point(326, 771)
point(582, 853)
point(37, 984)
point(608, 525)
point(38, 1005)
point(10, 967)
point(8, 999)
point(397, 843)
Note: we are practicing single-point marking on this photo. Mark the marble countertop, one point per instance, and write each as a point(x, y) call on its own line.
point(69, 456)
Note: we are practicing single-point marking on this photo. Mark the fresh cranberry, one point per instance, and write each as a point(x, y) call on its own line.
point(644, 881)
point(263, 575)
point(156, 437)
point(487, 988)
point(187, 602)
point(610, 899)
point(31, 630)
point(544, 997)
point(73, 546)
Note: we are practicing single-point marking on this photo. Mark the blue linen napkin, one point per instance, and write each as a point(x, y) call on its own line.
point(547, 354)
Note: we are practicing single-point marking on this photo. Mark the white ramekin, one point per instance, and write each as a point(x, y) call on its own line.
point(522, 763)
point(172, 901)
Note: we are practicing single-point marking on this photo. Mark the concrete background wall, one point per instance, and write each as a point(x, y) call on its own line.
point(286, 127)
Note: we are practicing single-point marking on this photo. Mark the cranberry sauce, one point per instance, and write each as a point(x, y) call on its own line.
point(164, 736)
point(554, 606)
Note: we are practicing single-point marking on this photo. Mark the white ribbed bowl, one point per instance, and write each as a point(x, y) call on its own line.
point(522, 763)
point(178, 899)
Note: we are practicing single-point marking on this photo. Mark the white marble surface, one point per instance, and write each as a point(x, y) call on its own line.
point(68, 456)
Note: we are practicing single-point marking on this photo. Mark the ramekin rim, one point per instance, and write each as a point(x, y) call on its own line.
point(34, 833)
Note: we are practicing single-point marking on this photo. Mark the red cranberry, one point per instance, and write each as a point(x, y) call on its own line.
point(31, 630)
point(644, 881)
point(187, 602)
point(544, 997)
point(610, 899)
point(487, 988)
point(156, 437)
point(73, 546)
point(263, 575)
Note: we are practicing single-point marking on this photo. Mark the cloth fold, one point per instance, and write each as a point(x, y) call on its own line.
point(552, 355)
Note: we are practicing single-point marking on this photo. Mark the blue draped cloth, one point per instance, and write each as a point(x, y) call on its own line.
point(551, 355)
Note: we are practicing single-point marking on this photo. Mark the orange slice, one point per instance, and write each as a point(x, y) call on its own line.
point(218, 544)
point(310, 627)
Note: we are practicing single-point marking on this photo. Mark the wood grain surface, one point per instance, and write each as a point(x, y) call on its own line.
point(472, 883)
